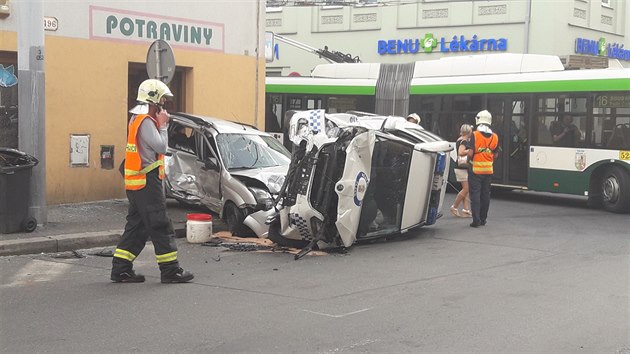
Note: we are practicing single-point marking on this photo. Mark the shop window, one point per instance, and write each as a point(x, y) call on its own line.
point(8, 100)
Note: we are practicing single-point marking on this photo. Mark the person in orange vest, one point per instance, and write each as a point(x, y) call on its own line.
point(143, 172)
point(484, 144)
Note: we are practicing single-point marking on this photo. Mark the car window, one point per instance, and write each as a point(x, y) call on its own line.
point(205, 146)
point(180, 137)
point(385, 194)
point(243, 151)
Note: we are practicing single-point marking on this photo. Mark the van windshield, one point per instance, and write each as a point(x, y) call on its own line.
point(245, 151)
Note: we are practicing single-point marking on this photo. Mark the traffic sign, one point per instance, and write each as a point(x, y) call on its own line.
point(161, 61)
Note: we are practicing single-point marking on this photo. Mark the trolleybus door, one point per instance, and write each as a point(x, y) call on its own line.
point(510, 121)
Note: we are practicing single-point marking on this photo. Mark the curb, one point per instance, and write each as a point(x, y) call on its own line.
point(59, 243)
point(72, 242)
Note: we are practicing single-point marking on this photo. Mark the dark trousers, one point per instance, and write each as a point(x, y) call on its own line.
point(146, 219)
point(479, 196)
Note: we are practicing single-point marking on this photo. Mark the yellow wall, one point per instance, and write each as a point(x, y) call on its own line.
point(86, 93)
point(8, 41)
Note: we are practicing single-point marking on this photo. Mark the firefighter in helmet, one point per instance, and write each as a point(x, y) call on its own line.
point(144, 172)
point(484, 145)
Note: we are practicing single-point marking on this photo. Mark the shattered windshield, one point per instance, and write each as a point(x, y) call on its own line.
point(245, 151)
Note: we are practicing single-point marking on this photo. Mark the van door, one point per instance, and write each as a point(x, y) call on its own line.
point(352, 186)
point(209, 169)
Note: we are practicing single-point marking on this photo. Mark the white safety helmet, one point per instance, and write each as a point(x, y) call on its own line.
point(152, 91)
point(415, 117)
point(483, 117)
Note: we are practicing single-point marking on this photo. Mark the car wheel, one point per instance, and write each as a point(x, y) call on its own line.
point(234, 218)
point(615, 190)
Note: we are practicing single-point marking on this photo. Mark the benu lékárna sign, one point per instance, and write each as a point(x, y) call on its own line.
point(115, 24)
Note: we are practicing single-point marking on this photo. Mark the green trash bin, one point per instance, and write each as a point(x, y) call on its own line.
point(15, 181)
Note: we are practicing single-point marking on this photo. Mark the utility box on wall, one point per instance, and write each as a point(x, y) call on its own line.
point(107, 157)
point(79, 150)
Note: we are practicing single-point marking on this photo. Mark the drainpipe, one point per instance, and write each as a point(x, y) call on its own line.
point(527, 26)
point(257, 89)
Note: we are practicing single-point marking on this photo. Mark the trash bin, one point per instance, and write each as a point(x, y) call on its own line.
point(15, 181)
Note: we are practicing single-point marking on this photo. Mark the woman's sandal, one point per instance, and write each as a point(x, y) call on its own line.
point(454, 211)
point(466, 213)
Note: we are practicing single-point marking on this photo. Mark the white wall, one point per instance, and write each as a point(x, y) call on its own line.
point(554, 27)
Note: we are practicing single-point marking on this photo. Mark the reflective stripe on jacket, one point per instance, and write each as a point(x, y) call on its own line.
point(484, 153)
point(135, 175)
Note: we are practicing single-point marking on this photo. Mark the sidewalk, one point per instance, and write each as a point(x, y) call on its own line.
point(85, 225)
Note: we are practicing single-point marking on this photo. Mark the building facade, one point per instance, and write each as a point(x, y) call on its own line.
point(398, 32)
point(94, 58)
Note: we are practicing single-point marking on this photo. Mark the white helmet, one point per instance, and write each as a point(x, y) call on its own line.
point(483, 117)
point(415, 117)
point(152, 91)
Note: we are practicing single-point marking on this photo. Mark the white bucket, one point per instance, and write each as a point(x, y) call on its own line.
point(198, 228)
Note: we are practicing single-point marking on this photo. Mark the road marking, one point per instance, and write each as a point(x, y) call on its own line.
point(354, 346)
point(337, 316)
point(37, 271)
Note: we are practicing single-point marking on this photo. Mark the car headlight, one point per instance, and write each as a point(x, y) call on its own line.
point(262, 197)
point(275, 182)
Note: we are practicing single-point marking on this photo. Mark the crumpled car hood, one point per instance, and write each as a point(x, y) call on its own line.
point(272, 177)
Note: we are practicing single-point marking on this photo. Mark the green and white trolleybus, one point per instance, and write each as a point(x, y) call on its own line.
point(528, 96)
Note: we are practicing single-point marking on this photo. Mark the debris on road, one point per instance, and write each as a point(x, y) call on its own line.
point(251, 244)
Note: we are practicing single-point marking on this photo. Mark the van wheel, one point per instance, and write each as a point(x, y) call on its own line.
point(615, 190)
point(234, 218)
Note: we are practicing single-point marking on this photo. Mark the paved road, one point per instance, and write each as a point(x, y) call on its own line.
point(545, 274)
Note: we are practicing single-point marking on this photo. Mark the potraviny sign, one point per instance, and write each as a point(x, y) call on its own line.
point(132, 26)
point(428, 43)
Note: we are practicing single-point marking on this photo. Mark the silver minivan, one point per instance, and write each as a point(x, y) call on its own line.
point(231, 168)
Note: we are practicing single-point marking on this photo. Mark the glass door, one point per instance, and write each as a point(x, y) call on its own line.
point(510, 121)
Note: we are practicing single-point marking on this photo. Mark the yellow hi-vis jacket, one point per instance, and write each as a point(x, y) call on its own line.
point(135, 175)
point(484, 153)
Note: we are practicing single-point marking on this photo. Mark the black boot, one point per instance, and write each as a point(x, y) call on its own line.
point(127, 277)
point(179, 276)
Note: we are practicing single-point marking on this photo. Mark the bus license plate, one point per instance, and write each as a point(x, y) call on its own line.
point(624, 155)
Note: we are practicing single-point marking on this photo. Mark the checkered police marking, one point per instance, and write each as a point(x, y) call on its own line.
point(316, 120)
point(300, 223)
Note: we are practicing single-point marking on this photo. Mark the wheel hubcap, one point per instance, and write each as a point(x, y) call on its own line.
point(611, 189)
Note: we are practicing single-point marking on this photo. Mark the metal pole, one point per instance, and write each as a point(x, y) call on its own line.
point(528, 20)
point(259, 30)
point(31, 99)
point(157, 61)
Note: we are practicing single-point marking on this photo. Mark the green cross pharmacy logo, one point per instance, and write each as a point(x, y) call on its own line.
point(428, 42)
point(601, 46)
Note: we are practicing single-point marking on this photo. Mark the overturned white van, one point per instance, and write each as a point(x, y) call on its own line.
point(350, 180)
